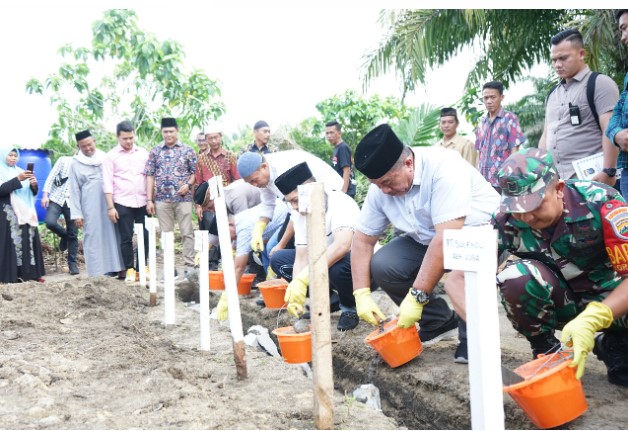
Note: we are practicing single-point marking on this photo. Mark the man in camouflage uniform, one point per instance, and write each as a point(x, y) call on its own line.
point(563, 277)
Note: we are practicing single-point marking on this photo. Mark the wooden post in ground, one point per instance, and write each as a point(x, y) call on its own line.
point(312, 202)
point(228, 269)
point(141, 253)
point(167, 241)
point(151, 224)
point(201, 244)
point(474, 251)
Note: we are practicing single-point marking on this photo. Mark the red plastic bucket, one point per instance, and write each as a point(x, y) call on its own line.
point(273, 292)
point(244, 286)
point(395, 345)
point(216, 280)
point(296, 348)
point(550, 394)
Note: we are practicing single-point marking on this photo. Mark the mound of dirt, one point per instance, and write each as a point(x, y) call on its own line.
point(92, 354)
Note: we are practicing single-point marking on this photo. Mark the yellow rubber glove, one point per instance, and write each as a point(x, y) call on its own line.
point(296, 293)
point(222, 311)
point(366, 307)
point(580, 332)
point(270, 274)
point(257, 242)
point(410, 311)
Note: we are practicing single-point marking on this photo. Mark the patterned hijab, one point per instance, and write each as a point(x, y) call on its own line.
point(22, 200)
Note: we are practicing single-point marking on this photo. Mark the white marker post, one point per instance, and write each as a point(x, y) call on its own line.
point(233, 301)
point(151, 224)
point(141, 253)
point(312, 202)
point(474, 251)
point(167, 242)
point(201, 244)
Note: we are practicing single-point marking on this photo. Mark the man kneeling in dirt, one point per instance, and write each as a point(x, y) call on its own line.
point(421, 192)
point(341, 215)
point(570, 240)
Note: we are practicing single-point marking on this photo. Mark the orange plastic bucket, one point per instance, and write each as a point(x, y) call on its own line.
point(216, 280)
point(244, 286)
point(273, 292)
point(395, 345)
point(296, 348)
point(550, 394)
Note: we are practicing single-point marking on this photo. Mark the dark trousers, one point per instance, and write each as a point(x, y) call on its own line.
point(394, 268)
point(128, 216)
point(340, 279)
point(70, 232)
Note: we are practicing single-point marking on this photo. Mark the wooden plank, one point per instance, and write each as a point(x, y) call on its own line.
point(322, 370)
point(151, 224)
point(201, 244)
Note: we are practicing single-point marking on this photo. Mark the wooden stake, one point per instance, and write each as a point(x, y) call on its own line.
point(228, 269)
point(313, 197)
point(167, 240)
point(201, 244)
point(151, 224)
point(141, 253)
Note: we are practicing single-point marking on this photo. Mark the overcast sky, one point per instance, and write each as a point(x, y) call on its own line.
point(272, 63)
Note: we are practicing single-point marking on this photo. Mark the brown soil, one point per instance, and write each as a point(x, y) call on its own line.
point(92, 354)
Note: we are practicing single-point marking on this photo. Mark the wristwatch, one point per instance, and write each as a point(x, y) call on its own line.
point(421, 296)
point(610, 171)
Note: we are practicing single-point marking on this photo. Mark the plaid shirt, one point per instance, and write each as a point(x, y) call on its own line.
point(495, 141)
point(57, 183)
point(172, 168)
point(618, 122)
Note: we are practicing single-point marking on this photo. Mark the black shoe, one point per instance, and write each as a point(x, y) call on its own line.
point(612, 348)
point(462, 354)
point(63, 244)
point(111, 274)
point(432, 336)
point(543, 344)
point(348, 320)
point(333, 307)
point(73, 268)
point(260, 301)
point(214, 265)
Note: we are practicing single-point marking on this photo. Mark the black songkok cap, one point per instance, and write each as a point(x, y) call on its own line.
point(293, 177)
point(260, 124)
point(377, 152)
point(82, 135)
point(201, 194)
point(169, 122)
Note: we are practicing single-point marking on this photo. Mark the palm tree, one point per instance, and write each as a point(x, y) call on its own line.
point(509, 42)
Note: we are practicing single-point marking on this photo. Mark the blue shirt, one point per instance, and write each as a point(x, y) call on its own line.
point(618, 122)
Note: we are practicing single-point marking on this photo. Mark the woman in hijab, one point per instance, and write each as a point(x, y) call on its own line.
point(20, 248)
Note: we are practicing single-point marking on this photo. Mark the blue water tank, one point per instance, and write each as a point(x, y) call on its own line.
point(43, 166)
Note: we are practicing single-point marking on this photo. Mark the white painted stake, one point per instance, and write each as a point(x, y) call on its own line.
point(151, 224)
point(141, 253)
point(167, 241)
point(201, 244)
point(474, 251)
point(228, 268)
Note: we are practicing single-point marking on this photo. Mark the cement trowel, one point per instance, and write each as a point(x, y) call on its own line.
point(509, 377)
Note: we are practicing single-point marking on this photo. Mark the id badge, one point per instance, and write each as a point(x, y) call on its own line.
point(574, 115)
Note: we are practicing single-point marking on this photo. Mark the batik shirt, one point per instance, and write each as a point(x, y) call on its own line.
point(495, 141)
point(574, 245)
point(172, 168)
point(618, 122)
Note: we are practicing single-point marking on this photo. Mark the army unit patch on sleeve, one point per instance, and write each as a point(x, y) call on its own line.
point(615, 224)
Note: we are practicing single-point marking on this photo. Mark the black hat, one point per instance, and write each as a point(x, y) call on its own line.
point(82, 135)
point(293, 177)
point(201, 194)
point(169, 122)
point(377, 152)
point(260, 124)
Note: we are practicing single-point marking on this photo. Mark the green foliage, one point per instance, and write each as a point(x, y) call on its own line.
point(421, 127)
point(143, 81)
point(471, 106)
point(357, 115)
point(310, 136)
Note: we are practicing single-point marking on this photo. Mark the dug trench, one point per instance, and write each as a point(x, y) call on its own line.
point(431, 391)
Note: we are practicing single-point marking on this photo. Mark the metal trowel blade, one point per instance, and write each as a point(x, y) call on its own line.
point(301, 325)
point(509, 377)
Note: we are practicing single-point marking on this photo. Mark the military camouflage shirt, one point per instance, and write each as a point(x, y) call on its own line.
point(574, 245)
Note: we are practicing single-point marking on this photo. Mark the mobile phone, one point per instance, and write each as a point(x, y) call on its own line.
point(30, 166)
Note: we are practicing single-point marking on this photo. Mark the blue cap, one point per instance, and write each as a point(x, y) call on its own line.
point(248, 163)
